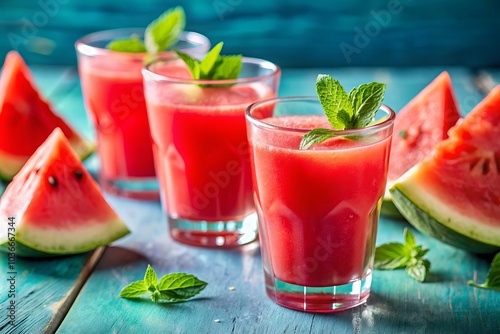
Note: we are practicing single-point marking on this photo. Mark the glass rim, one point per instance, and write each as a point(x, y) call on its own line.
point(372, 128)
point(82, 45)
point(149, 74)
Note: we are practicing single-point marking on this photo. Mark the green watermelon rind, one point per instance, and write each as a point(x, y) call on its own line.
point(83, 155)
point(433, 223)
point(388, 208)
point(25, 247)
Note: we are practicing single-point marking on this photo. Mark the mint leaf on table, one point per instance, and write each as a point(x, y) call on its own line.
point(133, 44)
point(160, 34)
point(150, 278)
point(134, 289)
point(344, 111)
point(390, 256)
point(493, 277)
point(180, 286)
point(171, 287)
point(213, 66)
point(165, 30)
point(396, 255)
point(418, 269)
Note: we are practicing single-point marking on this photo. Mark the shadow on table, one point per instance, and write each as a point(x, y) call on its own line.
point(117, 257)
point(405, 316)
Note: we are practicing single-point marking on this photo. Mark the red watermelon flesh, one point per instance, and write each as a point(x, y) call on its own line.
point(421, 124)
point(457, 189)
point(57, 205)
point(26, 119)
point(465, 169)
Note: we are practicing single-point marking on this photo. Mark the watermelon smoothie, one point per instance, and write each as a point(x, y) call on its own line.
point(114, 98)
point(318, 208)
point(201, 150)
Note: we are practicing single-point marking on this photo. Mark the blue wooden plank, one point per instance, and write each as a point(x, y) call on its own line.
point(291, 33)
point(397, 305)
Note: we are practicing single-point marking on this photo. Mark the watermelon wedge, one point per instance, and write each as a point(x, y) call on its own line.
point(418, 128)
point(26, 120)
point(454, 195)
point(56, 205)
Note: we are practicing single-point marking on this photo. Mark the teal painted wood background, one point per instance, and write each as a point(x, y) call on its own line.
point(292, 33)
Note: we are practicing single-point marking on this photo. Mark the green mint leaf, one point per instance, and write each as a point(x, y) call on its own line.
point(365, 101)
point(192, 64)
point(409, 238)
point(134, 289)
point(333, 98)
point(208, 63)
point(227, 68)
point(213, 66)
point(493, 277)
point(155, 296)
point(403, 133)
point(314, 137)
point(418, 252)
point(391, 256)
point(395, 255)
point(133, 44)
point(165, 30)
point(418, 269)
point(180, 286)
point(150, 279)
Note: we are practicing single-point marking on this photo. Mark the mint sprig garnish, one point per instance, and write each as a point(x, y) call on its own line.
point(409, 255)
point(344, 111)
point(493, 277)
point(171, 287)
point(213, 66)
point(160, 34)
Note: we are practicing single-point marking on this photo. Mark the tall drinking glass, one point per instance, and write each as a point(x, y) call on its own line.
point(114, 98)
point(318, 208)
point(201, 149)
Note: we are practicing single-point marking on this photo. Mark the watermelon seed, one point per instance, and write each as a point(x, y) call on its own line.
point(403, 133)
point(486, 167)
point(52, 181)
point(79, 174)
point(474, 163)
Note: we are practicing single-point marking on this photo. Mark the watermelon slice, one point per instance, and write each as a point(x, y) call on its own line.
point(57, 206)
point(454, 195)
point(26, 120)
point(418, 128)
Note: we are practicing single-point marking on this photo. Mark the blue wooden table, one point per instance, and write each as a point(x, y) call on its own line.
point(79, 294)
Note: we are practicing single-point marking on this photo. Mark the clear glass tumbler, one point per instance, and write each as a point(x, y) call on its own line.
point(114, 98)
point(201, 149)
point(318, 208)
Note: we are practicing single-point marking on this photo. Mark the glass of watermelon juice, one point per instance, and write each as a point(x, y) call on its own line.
point(201, 149)
point(114, 98)
point(318, 209)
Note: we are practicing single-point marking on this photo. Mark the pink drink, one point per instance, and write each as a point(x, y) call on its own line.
point(114, 96)
point(318, 210)
point(201, 151)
